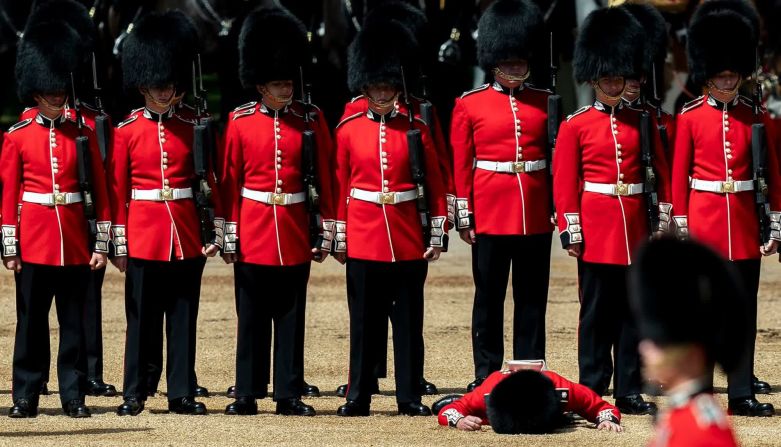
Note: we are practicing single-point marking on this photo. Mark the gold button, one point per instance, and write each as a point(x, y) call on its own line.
point(385, 182)
point(165, 154)
point(621, 176)
point(618, 145)
point(615, 132)
point(729, 171)
point(728, 144)
point(279, 137)
point(384, 166)
point(54, 145)
point(279, 190)
point(620, 160)
point(382, 134)
point(161, 126)
point(162, 140)
point(515, 109)
point(384, 160)
point(517, 121)
point(279, 159)
point(386, 189)
point(166, 181)
point(729, 157)
point(165, 166)
point(55, 170)
point(279, 166)
point(279, 152)
point(279, 182)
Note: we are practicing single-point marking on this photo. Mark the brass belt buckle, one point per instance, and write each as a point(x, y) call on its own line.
point(728, 187)
point(622, 189)
point(519, 167)
point(167, 194)
point(59, 199)
point(388, 198)
point(278, 199)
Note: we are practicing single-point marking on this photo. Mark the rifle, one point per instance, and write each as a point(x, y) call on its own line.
point(309, 170)
point(102, 125)
point(201, 144)
point(759, 162)
point(426, 108)
point(660, 126)
point(554, 121)
point(84, 169)
point(649, 180)
point(418, 167)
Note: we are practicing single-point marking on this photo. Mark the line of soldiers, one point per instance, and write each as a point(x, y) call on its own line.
point(278, 192)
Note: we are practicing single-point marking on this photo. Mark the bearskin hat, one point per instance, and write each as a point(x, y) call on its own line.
point(403, 12)
point(69, 11)
point(378, 53)
point(47, 54)
point(160, 51)
point(508, 29)
point(524, 402)
point(272, 47)
point(723, 35)
point(701, 308)
point(607, 45)
point(655, 27)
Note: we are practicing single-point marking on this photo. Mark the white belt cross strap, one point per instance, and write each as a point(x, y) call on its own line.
point(272, 198)
point(60, 198)
point(384, 198)
point(614, 189)
point(728, 187)
point(511, 167)
point(162, 195)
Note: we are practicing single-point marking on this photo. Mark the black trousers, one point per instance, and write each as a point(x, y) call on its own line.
point(606, 325)
point(739, 380)
point(154, 289)
point(93, 328)
point(36, 286)
point(491, 260)
point(268, 295)
point(372, 288)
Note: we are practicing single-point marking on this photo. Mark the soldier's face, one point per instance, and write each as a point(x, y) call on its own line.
point(277, 91)
point(671, 365)
point(162, 94)
point(512, 73)
point(726, 80)
point(51, 103)
point(632, 90)
point(381, 96)
point(612, 86)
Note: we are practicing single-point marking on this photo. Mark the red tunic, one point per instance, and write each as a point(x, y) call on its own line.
point(601, 145)
point(580, 400)
point(491, 123)
point(696, 422)
point(151, 152)
point(444, 155)
point(39, 156)
point(263, 153)
point(372, 155)
point(713, 143)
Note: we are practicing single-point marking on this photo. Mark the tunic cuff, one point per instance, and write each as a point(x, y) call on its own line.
point(102, 237)
point(230, 237)
point(573, 234)
point(10, 243)
point(119, 240)
point(340, 237)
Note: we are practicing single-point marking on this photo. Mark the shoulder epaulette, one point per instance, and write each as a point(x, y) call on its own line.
point(127, 121)
point(349, 118)
point(693, 104)
point(136, 110)
point(578, 112)
point(27, 109)
point(544, 90)
point(357, 98)
point(238, 113)
point(475, 90)
point(246, 106)
point(19, 125)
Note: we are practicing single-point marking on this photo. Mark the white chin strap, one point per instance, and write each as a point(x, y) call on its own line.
point(512, 78)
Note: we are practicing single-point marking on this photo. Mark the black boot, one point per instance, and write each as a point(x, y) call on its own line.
point(750, 407)
point(427, 388)
point(475, 383)
point(414, 409)
point(760, 386)
point(242, 406)
point(635, 404)
point(201, 391)
point(231, 392)
point(77, 409)
point(186, 405)
point(131, 407)
point(294, 407)
point(99, 388)
point(445, 401)
point(23, 408)
point(353, 408)
point(310, 390)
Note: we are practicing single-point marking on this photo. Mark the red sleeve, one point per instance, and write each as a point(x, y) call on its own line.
point(435, 187)
point(118, 173)
point(682, 165)
point(584, 402)
point(663, 180)
point(472, 403)
point(325, 172)
point(462, 142)
point(567, 180)
point(100, 196)
point(773, 164)
point(230, 185)
point(445, 159)
point(10, 177)
point(341, 189)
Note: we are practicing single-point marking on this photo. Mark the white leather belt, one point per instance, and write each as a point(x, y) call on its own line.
point(162, 195)
point(384, 198)
point(614, 189)
point(728, 187)
point(60, 198)
point(511, 167)
point(272, 198)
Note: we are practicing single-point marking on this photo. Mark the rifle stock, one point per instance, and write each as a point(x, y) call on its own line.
point(649, 187)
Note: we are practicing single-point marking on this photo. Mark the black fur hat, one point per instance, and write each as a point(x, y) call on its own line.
point(607, 45)
point(702, 308)
point(509, 29)
point(723, 35)
point(524, 402)
point(655, 27)
point(69, 11)
point(378, 52)
point(160, 51)
point(401, 11)
point(272, 47)
point(46, 56)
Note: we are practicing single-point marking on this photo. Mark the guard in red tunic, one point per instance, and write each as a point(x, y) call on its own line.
point(714, 192)
point(685, 329)
point(527, 401)
point(499, 139)
point(47, 243)
point(267, 205)
point(378, 218)
point(77, 16)
point(603, 211)
point(157, 238)
point(641, 93)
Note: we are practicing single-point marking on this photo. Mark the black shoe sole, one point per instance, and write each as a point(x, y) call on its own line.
point(764, 414)
point(22, 416)
point(79, 415)
point(241, 413)
point(130, 413)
